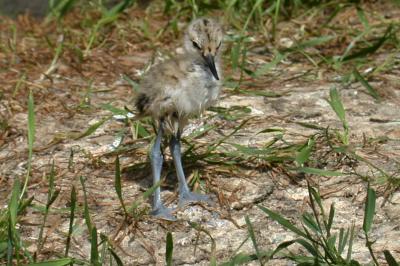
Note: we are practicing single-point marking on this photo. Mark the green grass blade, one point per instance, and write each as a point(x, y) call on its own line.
point(71, 219)
point(52, 193)
point(141, 131)
point(114, 110)
point(390, 259)
point(330, 243)
point(342, 240)
point(262, 93)
point(103, 252)
point(51, 197)
point(116, 257)
point(94, 252)
point(370, 90)
point(371, 49)
point(311, 126)
point(117, 184)
point(266, 67)
point(307, 245)
point(304, 154)
point(240, 259)
point(281, 246)
point(169, 249)
point(351, 241)
point(369, 210)
point(31, 123)
point(51, 184)
point(135, 204)
point(336, 103)
point(235, 55)
point(330, 218)
point(58, 9)
point(213, 146)
point(86, 207)
point(282, 221)
point(253, 9)
point(275, 18)
point(3, 248)
point(150, 191)
point(14, 202)
point(252, 151)
point(316, 171)
point(250, 230)
point(309, 221)
point(10, 244)
point(311, 43)
point(134, 84)
point(118, 8)
point(31, 139)
point(243, 258)
point(314, 195)
point(24, 203)
point(92, 128)
point(363, 18)
point(269, 130)
point(13, 212)
point(59, 262)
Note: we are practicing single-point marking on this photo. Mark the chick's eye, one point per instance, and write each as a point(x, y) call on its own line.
point(195, 45)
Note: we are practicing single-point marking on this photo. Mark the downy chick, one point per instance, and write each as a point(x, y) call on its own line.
point(173, 91)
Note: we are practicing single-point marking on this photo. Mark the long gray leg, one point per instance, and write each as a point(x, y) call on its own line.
point(185, 196)
point(156, 158)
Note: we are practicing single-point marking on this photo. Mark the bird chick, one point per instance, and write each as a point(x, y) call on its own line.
point(173, 91)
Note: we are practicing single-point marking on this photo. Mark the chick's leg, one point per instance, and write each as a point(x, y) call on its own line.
point(185, 196)
point(156, 157)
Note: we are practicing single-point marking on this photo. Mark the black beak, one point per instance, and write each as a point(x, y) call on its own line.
point(210, 63)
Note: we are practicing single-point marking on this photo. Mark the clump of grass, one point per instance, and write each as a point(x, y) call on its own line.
point(58, 9)
point(317, 236)
point(13, 249)
point(108, 17)
point(11, 245)
point(322, 243)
